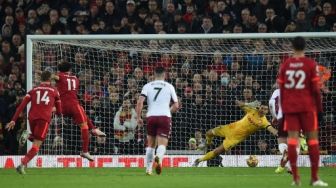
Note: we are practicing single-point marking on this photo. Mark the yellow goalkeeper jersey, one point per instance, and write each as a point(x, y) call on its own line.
point(248, 125)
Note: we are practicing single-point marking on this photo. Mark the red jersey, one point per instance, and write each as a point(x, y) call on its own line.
point(67, 86)
point(298, 82)
point(43, 98)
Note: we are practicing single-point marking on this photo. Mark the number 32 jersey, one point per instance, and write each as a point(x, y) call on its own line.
point(297, 79)
point(68, 86)
point(159, 94)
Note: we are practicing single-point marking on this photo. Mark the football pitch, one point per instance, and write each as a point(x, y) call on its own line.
point(170, 178)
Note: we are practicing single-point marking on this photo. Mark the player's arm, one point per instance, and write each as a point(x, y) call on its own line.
point(175, 106)
point(23, 104)
point(139, 107)
point(55, 77)
point(271, 105)
point(58, 104)
point(248, 106)
point(272, 130)
point(316, 90)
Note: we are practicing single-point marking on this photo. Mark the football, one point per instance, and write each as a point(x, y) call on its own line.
point(252, 161)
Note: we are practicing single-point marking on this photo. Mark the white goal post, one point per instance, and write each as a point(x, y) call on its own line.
point(227, 64)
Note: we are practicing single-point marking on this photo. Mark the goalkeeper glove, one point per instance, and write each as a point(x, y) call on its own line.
point(254, 104)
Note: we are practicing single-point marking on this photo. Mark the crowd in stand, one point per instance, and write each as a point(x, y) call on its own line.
point(208, 87)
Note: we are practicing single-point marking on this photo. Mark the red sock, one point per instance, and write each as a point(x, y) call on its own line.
point(90, 124)
point(31, 154)
point(314, 155)
point(85, 139)
point(292, 156)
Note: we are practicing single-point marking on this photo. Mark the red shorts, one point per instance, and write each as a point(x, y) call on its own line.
point(39, 129)
point(306, 121)
point(159, 126)
point(75, 111)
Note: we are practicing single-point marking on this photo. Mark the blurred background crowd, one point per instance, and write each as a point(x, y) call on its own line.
point(207, 85)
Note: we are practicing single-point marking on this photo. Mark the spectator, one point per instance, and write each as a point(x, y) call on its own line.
point(274, 22)
point(207, 26)
point(263, 148)
point(248, 95)
point(124, 127)
point(321, 25)
point(302, 25)
point(329, 13)
point(290, 10)
point(56, 26)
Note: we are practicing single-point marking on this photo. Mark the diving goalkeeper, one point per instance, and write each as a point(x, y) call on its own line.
point(236, 132)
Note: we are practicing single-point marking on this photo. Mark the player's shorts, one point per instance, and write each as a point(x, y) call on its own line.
point(39, 129)
point(306, 121)
point(230, 140)
point(75, 111)
point(159, 126)
point(281, 131)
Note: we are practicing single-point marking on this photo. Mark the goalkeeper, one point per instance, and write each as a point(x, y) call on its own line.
point(236, 132)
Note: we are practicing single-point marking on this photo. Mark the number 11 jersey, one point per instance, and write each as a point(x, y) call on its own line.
point(298, 80)
point(68, 86)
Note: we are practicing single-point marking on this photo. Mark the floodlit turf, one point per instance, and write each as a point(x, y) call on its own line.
point(170, 178)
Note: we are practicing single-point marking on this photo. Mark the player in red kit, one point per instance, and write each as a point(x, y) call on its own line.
point(301, 101)
point(68, 86)
point(42, 99)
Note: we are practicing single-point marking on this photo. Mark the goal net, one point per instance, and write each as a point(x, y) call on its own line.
point(209, 72)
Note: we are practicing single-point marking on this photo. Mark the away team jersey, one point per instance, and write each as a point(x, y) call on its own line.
point(159, 95)
point(275, 106)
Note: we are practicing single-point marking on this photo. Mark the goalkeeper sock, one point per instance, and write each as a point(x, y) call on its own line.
point(314, 155)
point(160, 151)
point(292, 156)
point(208, 156)
point(31, 154)
point(149, 158)
point(85, 139)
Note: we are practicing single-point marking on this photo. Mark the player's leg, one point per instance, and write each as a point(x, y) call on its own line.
point(310, 122)
point(282, 146)
point(79, 117)
point(210, 134)
point(94, 130)
point(162, 135)
point(151, 143)
point(292, 125)
point(39, 129)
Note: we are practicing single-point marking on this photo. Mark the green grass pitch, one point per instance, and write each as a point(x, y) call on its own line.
point(170, 178)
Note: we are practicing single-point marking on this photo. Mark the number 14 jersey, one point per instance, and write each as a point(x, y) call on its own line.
point(159, 94)
point(298, 80)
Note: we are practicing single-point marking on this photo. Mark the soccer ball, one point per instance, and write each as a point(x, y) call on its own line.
point(252, 161)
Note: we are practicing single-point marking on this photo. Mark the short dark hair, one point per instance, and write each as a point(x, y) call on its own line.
point(45, 76)
point(159, 70)
point(64, 66)
point(299, 43)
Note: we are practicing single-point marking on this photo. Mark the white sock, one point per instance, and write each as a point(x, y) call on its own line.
point(282, 148)
point(298, 149)
point(149, 159)
point(160, 151)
